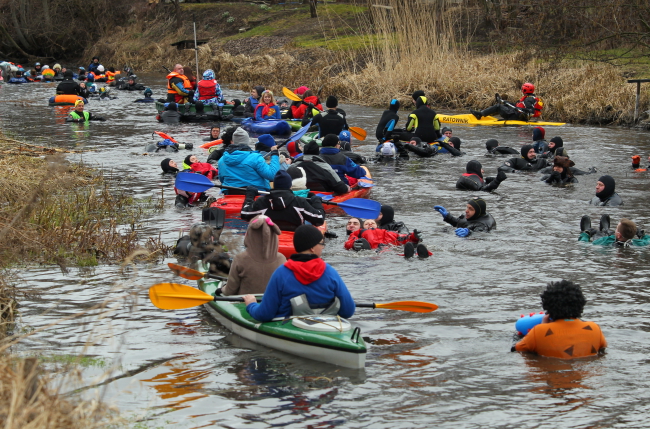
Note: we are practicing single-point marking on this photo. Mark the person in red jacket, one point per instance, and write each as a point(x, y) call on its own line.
point(309, 101)
point(371, 237)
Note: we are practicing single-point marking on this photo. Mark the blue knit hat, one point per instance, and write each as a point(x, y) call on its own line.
point(267, 140)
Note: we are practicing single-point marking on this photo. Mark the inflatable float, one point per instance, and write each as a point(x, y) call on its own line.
point(65, 100)
point(274, 127)
point(526, 323)
point(470, 119)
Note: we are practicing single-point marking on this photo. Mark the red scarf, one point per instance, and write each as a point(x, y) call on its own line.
point(267, 108)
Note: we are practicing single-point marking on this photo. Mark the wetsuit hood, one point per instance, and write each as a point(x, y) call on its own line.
point(610, 187)
point(558, 143)
point(387, 215)
point(417, 94)
point(474, 167)
point(394, 105)
point(421, 101)
point(524, 152)
point(166, 168)
point(456, 142)
point(187, 160)
point(491, 144)
point(479, 206)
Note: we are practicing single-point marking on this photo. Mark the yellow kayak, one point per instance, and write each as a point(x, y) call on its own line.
point(470, 119)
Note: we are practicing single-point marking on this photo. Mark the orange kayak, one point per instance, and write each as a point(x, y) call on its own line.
point(286, 241)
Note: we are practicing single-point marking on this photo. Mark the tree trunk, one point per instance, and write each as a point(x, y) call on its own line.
point(19, 33)
point(177, 9)
point(312, 8)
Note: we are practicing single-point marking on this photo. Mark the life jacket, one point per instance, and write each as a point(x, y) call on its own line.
point(110, 76)
point(76, 115)
point(204, 168)
point(538, 106)
point(186, 83)
point(207, 89)
point(473, 174)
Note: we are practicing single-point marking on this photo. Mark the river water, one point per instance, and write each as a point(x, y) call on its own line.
point(449, 368)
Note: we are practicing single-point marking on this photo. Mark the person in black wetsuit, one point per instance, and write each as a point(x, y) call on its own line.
point(130, 84)
point(528, 106)
point(605, 195)
point(69, 86)
point(561, 174)
point(493, 148)
point(452, 146)
point(421, 149)
point(388, 121)
point(527, 162)
point(555, 147)
point(423, 122)
point(475, 219)
point(473, 179)
point(331, 121)
point(285, 209)
point(386, 220)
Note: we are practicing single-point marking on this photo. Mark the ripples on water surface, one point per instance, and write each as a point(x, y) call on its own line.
point(450, 368)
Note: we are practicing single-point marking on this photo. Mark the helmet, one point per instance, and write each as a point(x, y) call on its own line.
point(134, 77)
point(37, 64)
point(100, 68)
point(82, 69)
point(528, 88)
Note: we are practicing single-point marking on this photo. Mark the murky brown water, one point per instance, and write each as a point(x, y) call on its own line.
point(450, 368)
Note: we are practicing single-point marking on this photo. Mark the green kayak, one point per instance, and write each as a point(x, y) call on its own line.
point(322, 338)
point(309, 137)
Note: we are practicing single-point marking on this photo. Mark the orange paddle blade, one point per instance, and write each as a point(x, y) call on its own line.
point(186, 273)
point(208, 145)
point(165, 136)
point(290, 94)
point(358, 133)
point(413, 306)
point(175, 296)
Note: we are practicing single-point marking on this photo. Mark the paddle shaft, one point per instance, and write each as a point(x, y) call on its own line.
point(266, 193)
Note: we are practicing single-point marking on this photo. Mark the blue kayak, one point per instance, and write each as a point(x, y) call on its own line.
point(277, 127)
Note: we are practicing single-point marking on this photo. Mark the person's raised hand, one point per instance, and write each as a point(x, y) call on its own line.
point(440, 209)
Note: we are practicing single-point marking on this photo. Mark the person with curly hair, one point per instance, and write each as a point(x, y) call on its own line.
point(562, 334)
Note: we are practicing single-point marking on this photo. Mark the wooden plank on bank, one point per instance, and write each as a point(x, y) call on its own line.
point(638, 94)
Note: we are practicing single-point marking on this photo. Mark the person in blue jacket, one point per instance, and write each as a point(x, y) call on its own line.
point(305, 282)
point(93, 65)
point(331, 153)
point(240, 167)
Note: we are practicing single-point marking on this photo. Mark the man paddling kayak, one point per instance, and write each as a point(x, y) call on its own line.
point(305, 283)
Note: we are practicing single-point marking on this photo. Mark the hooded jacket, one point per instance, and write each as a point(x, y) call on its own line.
point(320, 175)
point(285, 209)
point(299, 111)
point(473, 179)
point(251, 270)
point(377, 237)
point(523, 163)
point(240, 167)
point(302, 274)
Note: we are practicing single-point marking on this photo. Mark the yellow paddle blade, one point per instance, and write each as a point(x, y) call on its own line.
point(413, 306)
point(174, 296)
point(358, 133)
point(290, 94)
point(186, 273)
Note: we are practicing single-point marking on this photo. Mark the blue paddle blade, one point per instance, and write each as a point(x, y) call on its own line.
point(325, 197)
point(301, 132)
point(192, 182)
point(359, 207)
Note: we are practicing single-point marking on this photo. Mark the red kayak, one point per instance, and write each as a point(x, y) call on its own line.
point(286, 241)
point(232, 204)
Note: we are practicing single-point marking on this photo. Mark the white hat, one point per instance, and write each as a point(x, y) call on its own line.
point(100, 68)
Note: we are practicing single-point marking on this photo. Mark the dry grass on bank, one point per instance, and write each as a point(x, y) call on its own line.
point(52, 211)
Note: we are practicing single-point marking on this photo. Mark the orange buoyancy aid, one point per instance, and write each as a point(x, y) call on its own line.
point(186, 83)
point(538, 106)
point(207, 89)
point(110, 76)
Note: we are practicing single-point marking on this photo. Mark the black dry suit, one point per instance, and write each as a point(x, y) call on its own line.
point(524, 163)
point(607, 197)
point(482, 221)
point(388, 121)
point(473, 179)
point(285, 209)
point(421, 149)
point(388, 223)
point(493, 148)
point(423, 122)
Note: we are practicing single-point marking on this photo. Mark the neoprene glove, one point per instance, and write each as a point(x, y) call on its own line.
point(417, 234)
point(316, 200)
point(440, 209)
point(251, 191)
point(501, 176)
point(358, 245)
point(462, 232)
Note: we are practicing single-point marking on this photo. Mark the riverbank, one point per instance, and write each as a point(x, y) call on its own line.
point(366, 57)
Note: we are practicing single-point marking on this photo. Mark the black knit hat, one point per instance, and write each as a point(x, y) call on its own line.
point(311, 148)
point(68, 74)
point(331, 102)
point(330, 140)
point(305, 237)
point(479, 206)
point(282, 180)
point(164, 164)
point(491, 144)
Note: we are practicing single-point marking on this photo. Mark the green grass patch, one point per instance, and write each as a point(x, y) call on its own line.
point(341, 9)
point(342, 43)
